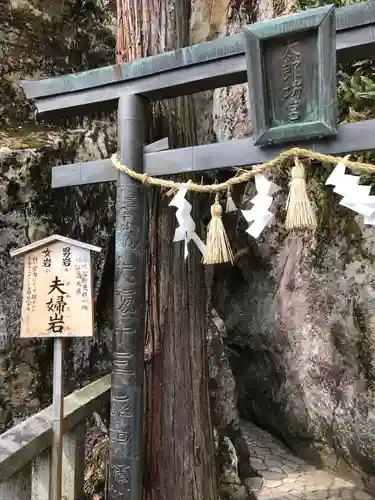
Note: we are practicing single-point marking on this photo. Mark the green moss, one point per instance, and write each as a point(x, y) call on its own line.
point(326, 208)
point(364, 341)
point(29, 135)
point(62, 37)
point(33, 143)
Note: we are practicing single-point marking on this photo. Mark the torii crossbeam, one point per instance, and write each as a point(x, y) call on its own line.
point(296, 110)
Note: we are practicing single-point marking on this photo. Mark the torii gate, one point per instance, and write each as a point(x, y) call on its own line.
point(290, 63)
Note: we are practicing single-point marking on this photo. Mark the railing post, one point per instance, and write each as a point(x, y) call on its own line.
point(25, 449)
point(57, 419)
point(40, 477)
point(73, 462)
point(125, 461)
point(18, 487)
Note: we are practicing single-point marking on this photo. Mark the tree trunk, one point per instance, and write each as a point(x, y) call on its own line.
point(179, 451)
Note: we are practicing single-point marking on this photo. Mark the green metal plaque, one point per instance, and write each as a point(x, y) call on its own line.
point(291, 64)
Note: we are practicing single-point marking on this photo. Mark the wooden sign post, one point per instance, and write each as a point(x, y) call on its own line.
point(57, 302)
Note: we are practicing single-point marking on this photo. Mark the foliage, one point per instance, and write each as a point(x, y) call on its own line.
point(310, 4)
point(356, 91)
point(356, 81)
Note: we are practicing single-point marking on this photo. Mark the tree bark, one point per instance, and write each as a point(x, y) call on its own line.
point(179, 450)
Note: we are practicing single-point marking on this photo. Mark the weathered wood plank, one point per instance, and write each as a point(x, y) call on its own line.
point(351, 137)
point(21, 444)
point(193, 69)
point(41, 476)
point(73, 463)
point(18, 487)
point(51, 239)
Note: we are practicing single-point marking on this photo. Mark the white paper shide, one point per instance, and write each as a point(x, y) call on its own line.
point(355, 197)
point(186, 228)
point(259, 215)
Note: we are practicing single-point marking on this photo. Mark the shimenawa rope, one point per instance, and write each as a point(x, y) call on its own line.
point(243, 176)
point(300, 213)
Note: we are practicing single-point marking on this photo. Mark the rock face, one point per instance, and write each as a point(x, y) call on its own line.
point(44, 38)
point(300, 313)
point(36, 39)
point(30, 211)
point(298, 310)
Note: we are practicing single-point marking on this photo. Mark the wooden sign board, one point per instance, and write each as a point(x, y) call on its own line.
point(57, 289)
point(291, 64)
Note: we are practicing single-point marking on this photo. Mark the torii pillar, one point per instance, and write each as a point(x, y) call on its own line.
point(126, 416)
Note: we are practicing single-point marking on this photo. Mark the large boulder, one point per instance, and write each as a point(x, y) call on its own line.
point(300, 314)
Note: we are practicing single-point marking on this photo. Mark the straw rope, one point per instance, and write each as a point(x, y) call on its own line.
point(241, 175)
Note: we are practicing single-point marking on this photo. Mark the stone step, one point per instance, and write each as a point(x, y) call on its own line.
point(287, 477)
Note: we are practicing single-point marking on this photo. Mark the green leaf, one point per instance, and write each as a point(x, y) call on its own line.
point(348, 97)
point(365, 95)
point(367, 80)
point(361, 63)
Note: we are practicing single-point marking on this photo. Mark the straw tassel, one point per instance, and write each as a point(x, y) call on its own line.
point(217, 246)
point(300, 214)
point(230, 205)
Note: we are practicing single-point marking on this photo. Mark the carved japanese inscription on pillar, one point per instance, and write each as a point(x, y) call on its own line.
point(129, 315)
point(291, 65)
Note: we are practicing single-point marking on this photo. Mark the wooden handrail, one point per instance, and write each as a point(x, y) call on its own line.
point(24, 442)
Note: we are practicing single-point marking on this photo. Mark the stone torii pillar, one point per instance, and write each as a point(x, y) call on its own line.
point(125, 473)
